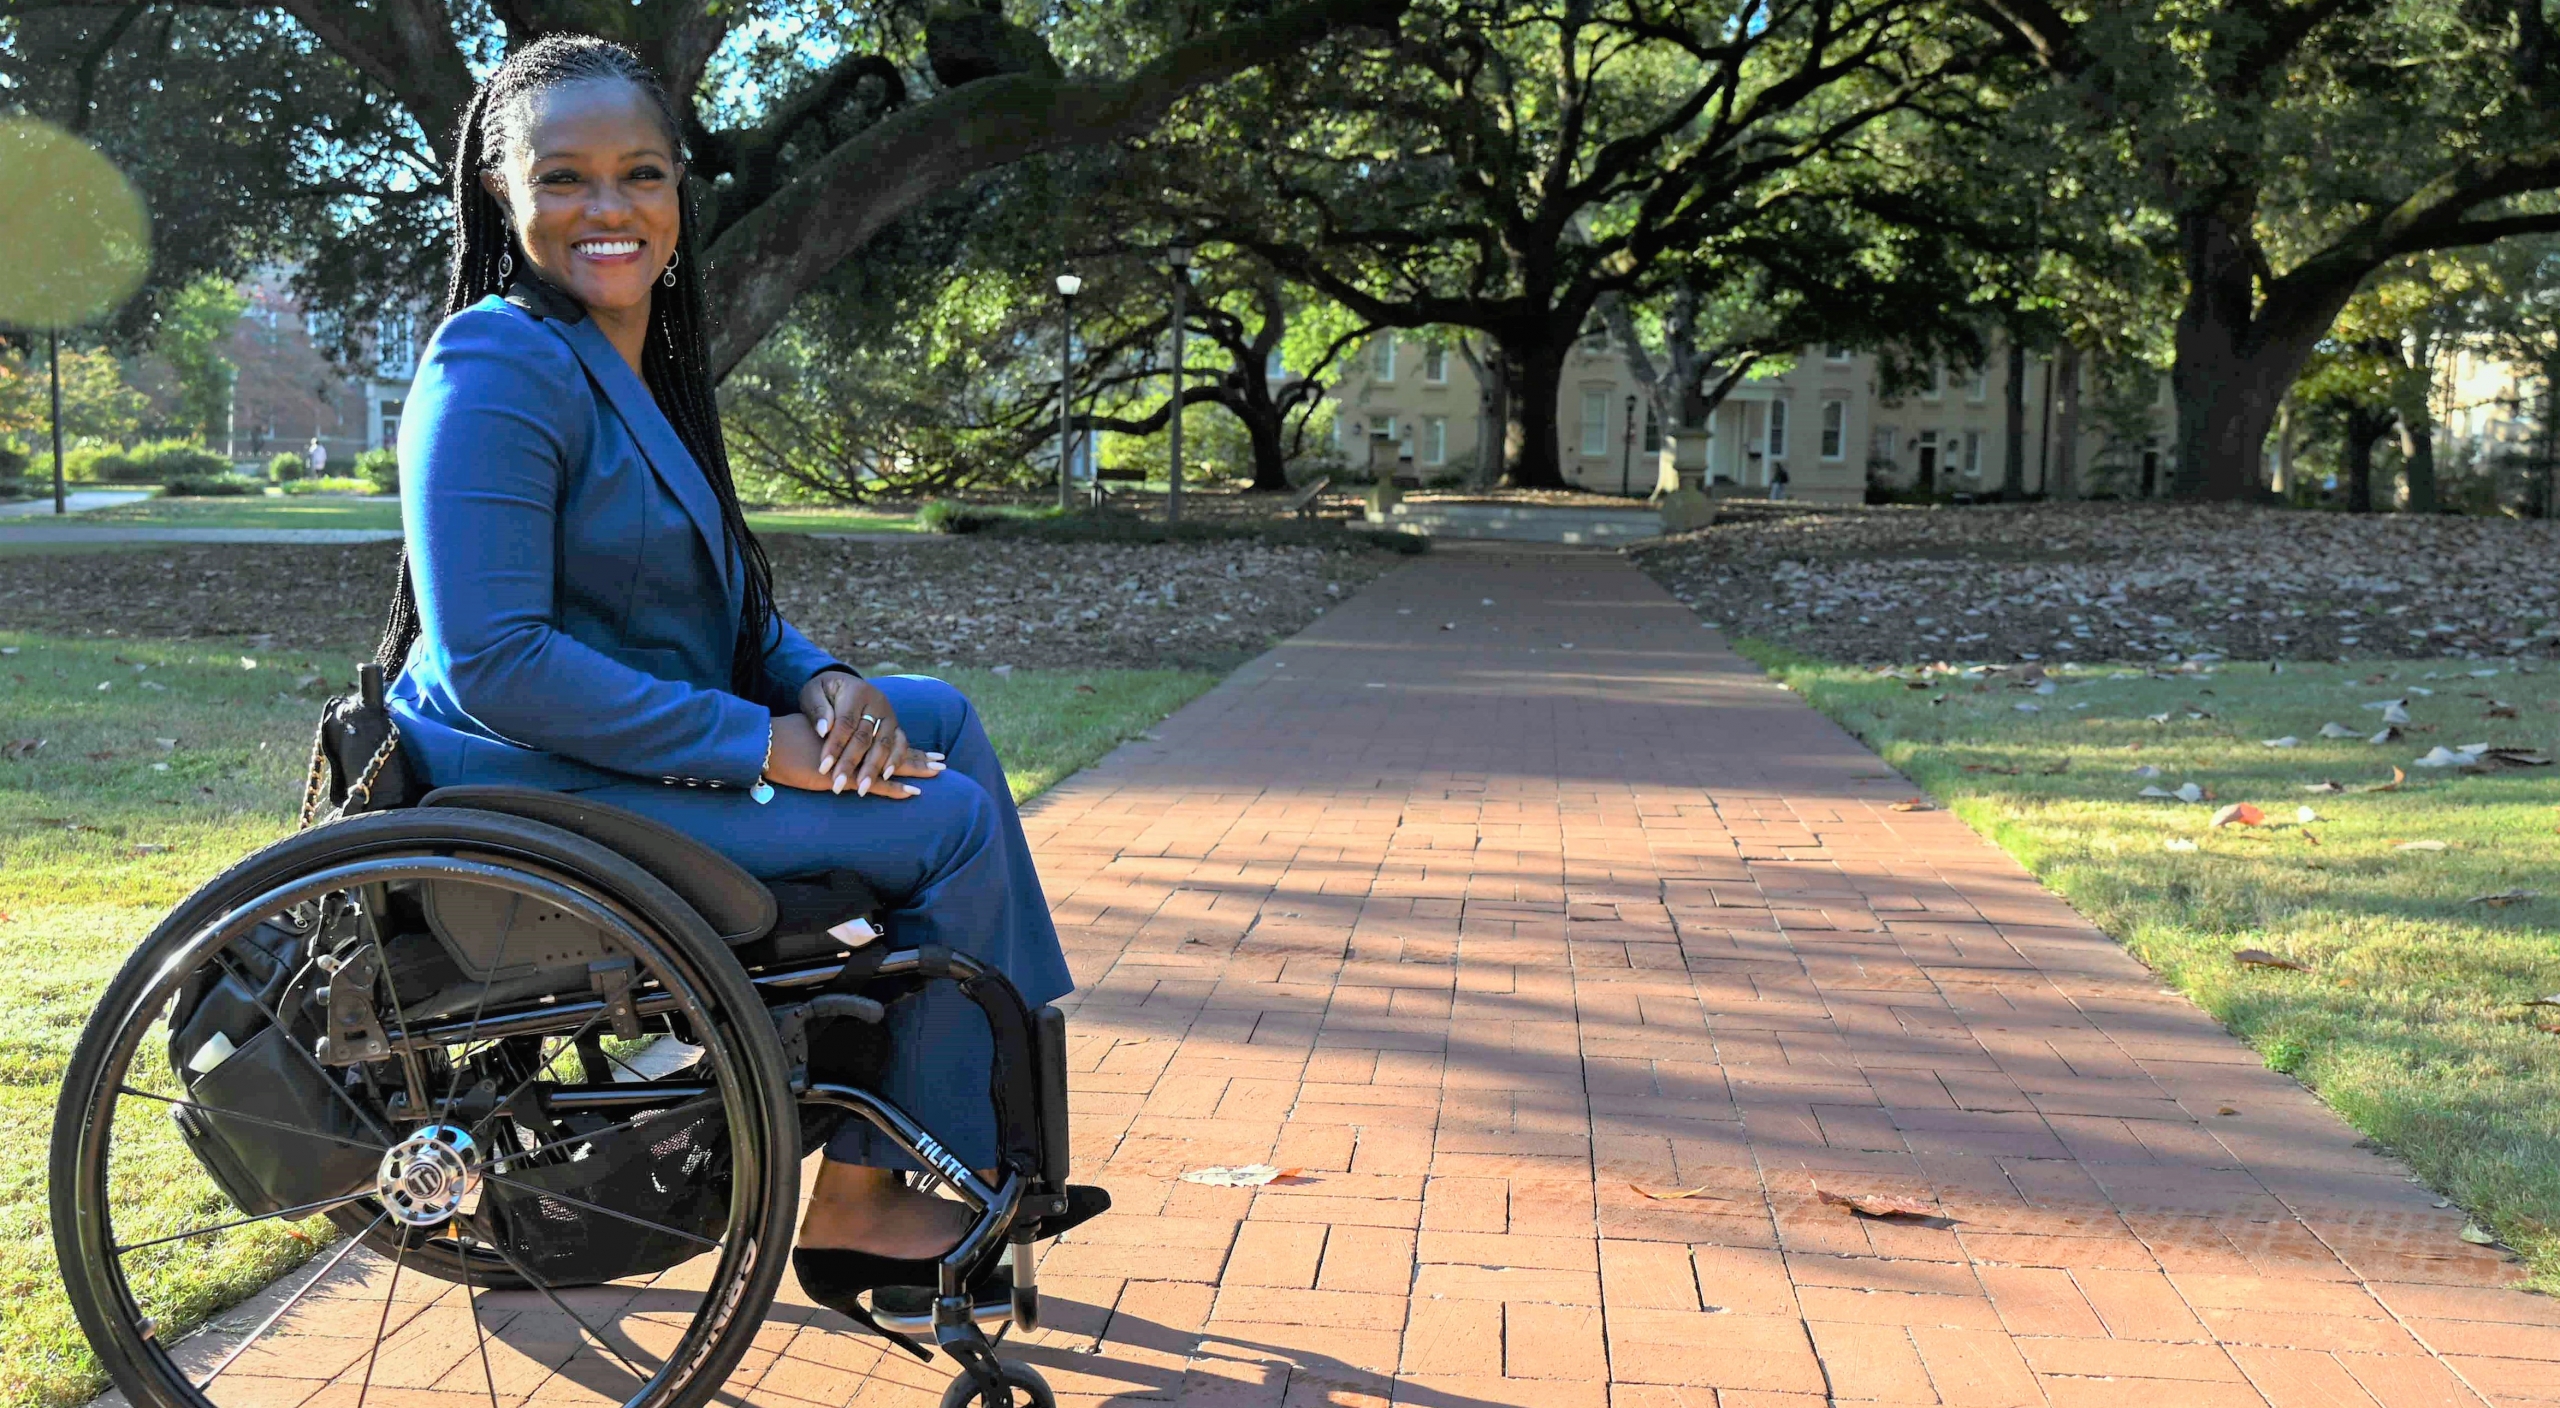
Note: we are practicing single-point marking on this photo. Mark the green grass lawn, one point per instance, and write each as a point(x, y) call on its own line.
point(331, 511)
point(106, 827)
point(2410, 1021)
point(277, 511)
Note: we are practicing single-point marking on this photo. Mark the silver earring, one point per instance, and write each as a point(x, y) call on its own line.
point(669, 278)
point(506, 267)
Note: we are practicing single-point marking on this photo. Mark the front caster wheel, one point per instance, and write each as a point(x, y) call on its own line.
point(1030, 1390)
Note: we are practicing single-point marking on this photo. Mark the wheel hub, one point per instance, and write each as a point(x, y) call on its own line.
point(429, 1176)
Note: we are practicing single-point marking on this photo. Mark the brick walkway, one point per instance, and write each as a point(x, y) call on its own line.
point(1503, 892)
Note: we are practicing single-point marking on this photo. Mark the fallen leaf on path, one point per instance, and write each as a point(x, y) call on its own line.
point(2547, 1000)
point(1674, 1195)
point(2056, 770)
point(2146, 770)
point(2443, 757)
point(2418, 845)
point(2388, 735)
point(1239, 1175)
point(2260, 958)
point(2477, 1235)
point(2322, 787)
point(2226, 1110)
point(2239, 814)
point(2305, 816)
point(1912, 804)
point(17, 748)
point(2177, 844)
point(2189, 792)
point(2288, 741)
point(2504, 898)
point(2337, 730)
point(1877, 1204)
point(2397, 777)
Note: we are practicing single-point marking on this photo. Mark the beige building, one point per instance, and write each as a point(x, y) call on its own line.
point(1821, 418)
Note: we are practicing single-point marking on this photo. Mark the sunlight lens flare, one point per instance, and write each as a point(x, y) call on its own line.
point(78, 240)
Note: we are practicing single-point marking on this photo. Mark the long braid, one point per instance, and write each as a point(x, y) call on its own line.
point(675, 362)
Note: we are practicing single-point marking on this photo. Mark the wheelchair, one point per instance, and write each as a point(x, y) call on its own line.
point(552, 1062)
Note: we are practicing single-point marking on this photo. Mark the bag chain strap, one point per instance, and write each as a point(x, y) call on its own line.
point(359, 792)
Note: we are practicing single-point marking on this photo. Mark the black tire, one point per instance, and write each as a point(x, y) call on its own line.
point(703, 988)
point(1031, 1390)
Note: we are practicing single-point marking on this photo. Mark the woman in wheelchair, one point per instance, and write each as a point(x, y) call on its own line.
point(576, 1016)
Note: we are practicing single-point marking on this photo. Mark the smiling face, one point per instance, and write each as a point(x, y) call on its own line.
point(589, 179)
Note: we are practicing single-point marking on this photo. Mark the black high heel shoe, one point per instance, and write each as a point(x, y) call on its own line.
point(837, 1279)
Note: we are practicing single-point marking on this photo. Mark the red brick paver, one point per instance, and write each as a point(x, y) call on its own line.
point(1567, 958)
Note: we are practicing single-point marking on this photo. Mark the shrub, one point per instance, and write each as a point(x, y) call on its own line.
point(99, 464)
point(946, 516)
point(287, 467)
point(1115, 527)
point(13, 461)
point(163, 460)
point(381, 469)
point(330, 484)
point(213, 486)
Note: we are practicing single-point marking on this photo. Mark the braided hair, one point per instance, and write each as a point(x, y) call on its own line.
point(674, 361)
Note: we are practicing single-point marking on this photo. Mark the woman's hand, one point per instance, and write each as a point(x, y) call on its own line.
point(859, 742)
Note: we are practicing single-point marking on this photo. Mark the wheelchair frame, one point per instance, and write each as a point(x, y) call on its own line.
point(581, 876)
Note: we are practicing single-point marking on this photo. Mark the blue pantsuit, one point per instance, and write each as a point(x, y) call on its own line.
point(580, 610)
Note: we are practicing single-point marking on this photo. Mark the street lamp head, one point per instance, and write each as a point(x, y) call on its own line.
point(1178, 253)
point(1069, 285)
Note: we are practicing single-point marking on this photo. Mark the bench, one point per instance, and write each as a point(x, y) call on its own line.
point(1303, 503)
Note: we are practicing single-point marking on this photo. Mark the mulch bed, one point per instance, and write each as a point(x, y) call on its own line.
point(921, 604)
point(2120, 582)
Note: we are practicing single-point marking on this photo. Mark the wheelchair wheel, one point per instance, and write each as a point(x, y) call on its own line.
point(1029, 1389)
point(432, 1099)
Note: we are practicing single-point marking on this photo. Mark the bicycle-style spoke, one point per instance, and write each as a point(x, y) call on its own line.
point(538, 1071)
point(479, 1330)
point(617, 1127)
point(554, 1194)
point(295, 1299)
point(382, 1327)
point(305, 1210)
point(562, 1306)
point(367, 1145)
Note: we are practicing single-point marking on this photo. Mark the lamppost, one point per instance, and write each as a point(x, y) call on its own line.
point(1627, 458)
point(1178, 254)
point(53, 361)
point(1068, 287)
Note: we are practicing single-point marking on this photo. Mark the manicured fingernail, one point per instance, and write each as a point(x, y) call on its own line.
point(937, 757)
point(838, 787)
point(862, 788)
point(826, 761)
point(822, 725)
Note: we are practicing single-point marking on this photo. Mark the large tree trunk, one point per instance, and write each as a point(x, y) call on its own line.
point(1535, 377)
point(2066, 435)
point(2366, 425)
point(1270, 454)
point(2418, 454)
point(2013, 441)
point(2236, 359)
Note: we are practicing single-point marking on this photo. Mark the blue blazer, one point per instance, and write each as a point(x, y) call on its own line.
point(579, 600)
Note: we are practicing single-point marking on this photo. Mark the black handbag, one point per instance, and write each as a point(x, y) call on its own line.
point(356, 765)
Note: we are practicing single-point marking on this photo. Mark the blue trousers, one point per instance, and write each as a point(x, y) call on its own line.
point(954, 864)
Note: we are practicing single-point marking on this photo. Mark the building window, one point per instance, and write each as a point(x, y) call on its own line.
point(1435, 365)
point(1335, 434)
point(1835, 430)
point(1928, 456)
point(1835, 354)
point(1435, 440)
point(1382, 359)
point(1979, 389)
point(1777, 430)
point(1937, 388)
point(1382, 427)
point(1595, 422)
point(1973, 454)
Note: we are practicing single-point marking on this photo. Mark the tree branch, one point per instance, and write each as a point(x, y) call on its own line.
point(790, 240)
